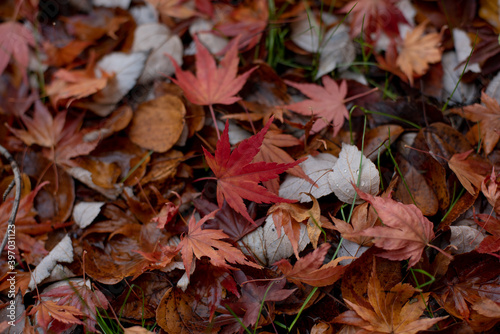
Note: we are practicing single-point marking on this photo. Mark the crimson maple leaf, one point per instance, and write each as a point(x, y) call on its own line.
point(406, 232)
point(238, 178)
point(198, 242)
point(15, 40)
point(327, 103)
point(212, 85)
point(307, 269)
point(491, 243)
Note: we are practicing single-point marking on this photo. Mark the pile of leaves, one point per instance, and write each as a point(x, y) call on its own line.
point(261, 166)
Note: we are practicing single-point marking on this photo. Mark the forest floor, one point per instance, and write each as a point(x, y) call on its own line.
point(269, 166)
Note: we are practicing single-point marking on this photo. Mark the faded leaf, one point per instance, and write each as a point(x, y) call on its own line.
point(350, 167)
point(84, 213)
point(15, 40)
point(317, 168)
point(471, 173)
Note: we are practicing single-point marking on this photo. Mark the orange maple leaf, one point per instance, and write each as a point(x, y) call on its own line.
point(309, 269)
point(488, 116)
point(238, 178)
point(198, 242)
point(389, 312)
point(327, 103)
point(48, 310)
point(418, 51)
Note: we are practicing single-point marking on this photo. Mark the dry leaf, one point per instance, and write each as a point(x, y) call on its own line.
point(418, 51)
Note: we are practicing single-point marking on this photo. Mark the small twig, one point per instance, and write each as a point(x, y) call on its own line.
point(17, 198)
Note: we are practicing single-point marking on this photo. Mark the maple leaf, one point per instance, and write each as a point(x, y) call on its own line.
point(374, 16)
point(418, 51)
point(289, 217)
point(15, 40)
point(389, 312)
point(48, 310)
point(489, 188)
point(248, 20)
point(253, 295)
point(327, 103)
point(59, 137)
point(238, 178)
point(406, 232)
point(307, 269)
point(77, 293)
point(270, 151)
point(198, 242)
point(471, 173)
point(488, 117)
point(212, 84)
point(226, 219)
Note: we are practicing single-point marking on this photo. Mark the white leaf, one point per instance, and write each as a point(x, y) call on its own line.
point(350, 248)
point(266, 247)
point(346, 172)
point(465, 236)
point(158, 39)
point(62, 252)
point(203, 29)
point(84, 213)
point(126, 69)
point(317, 168)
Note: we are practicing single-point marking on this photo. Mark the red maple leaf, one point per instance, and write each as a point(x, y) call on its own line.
point(48, 310)
point(327, 103)
point(15, 40)
point(198, 242)
point(491, 243)
point(212, 84)
point(307, 269)
point(238, 178)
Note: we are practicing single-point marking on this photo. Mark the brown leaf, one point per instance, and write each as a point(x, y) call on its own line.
point(470, 172)
point(309, 269)
point(158, 124)
point(393, 311)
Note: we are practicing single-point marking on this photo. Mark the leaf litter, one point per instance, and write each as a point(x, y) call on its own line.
point(343, 194)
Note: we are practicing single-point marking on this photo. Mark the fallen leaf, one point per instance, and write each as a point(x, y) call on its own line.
point(488, 116)
point(352, 166)
point(253, 295)
point(310, 269)
point(394, 311)
point(418, 51)
point(212, 85)
point(15, 40)
point(470, 172)
point(318, 168)
point(238, 178)
point(205, 242)
point(267, 247)
point(158, 124)
point(491, 243)
point(326, 102)
point(46, 311)
point(84, 213)
point(406, 232)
